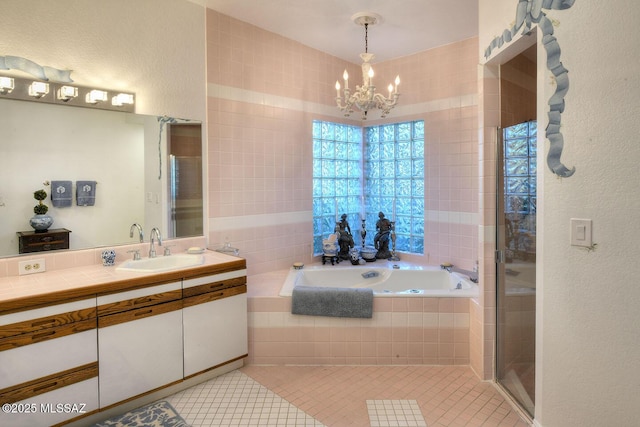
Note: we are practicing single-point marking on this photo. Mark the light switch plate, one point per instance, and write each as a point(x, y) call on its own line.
point(581, 232)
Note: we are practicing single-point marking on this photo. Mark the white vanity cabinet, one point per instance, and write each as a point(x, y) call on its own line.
point(214, 321)
point(48, 363)
point(139, 341)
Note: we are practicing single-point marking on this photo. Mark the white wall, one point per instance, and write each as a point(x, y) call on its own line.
point(587, 328)
point(155, 48)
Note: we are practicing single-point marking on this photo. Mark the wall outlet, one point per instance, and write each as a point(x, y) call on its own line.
point(31, 266)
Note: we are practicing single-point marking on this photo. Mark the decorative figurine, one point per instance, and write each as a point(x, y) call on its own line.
point(330, 249)
point(345, 239)
point(394, 256)
point(381, 239)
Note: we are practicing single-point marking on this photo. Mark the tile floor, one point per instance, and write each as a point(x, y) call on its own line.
point(433, 396)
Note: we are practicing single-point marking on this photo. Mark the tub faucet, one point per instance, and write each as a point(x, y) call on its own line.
point(137, 226)
point(155, 233)
point(472, 275)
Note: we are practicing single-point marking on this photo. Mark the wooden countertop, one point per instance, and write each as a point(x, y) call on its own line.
point(30, 291)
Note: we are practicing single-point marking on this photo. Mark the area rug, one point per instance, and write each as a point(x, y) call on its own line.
point(157, 414)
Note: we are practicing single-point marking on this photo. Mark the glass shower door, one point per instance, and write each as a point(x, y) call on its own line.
point(516, 262)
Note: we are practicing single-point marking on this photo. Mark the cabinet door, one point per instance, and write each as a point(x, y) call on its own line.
point(215, 332)
point(140, 355)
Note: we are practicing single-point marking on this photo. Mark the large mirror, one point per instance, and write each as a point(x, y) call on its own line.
point(148, 171)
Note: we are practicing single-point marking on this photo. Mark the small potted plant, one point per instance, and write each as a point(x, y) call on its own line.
point(40, 221)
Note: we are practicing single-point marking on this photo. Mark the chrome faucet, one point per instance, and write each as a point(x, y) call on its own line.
point(472, 275)
point(155, 233)
point(135, 225)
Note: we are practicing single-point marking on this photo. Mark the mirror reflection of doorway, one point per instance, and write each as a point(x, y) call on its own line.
point(516, 230)
point(185, 179)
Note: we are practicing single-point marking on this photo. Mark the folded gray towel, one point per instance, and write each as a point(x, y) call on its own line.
point(332, 302)
point(61, 195)
point(85, 193)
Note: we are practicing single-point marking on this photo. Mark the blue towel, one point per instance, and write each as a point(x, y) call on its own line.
point(61, 195)
point(332, 302)
point(86, 193)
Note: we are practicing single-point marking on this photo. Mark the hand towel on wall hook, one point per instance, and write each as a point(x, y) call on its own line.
point(61, 196)
point(86, 193)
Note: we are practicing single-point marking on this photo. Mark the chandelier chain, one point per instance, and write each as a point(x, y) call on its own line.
point(366, 37)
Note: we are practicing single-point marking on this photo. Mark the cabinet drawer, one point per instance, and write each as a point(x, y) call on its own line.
point(215, 295)
point(138, 298)
point(79, 399)
point(49, 383)
point(25, 321)
point(30, 362)
point(215, 283)
point(44, 334)
point(139, 313)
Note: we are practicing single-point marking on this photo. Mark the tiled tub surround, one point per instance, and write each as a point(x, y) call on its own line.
point(403, 330)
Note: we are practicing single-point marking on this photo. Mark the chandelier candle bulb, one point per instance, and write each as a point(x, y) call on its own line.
point(338, 89)
point(345, 76)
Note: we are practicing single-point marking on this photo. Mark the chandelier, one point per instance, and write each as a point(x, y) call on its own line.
point(365, 97)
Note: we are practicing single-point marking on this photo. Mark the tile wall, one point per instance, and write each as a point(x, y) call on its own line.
point(403, 331)
point(263, 93)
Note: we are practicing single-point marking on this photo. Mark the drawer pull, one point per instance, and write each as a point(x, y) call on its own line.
point(45, 387)
point(142, 313)
point(42, 335)
point(43, 322)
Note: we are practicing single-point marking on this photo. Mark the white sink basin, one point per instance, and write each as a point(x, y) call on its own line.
point(162, 263)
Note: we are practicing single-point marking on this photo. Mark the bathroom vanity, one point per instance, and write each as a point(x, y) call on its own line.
point(118, 337)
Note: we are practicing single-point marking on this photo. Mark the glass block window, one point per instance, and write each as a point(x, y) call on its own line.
point(337, 178)
point(394, 181)
point(520, 168)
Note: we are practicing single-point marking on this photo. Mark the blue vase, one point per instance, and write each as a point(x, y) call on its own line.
point(41, 222)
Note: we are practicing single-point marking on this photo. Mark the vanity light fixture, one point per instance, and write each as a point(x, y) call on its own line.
point(95, 96)
point(6, 85)
point(121, 99)
point(66, 93)
point(38, 89)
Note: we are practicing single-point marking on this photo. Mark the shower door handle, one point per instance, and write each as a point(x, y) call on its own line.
point(500, 258)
